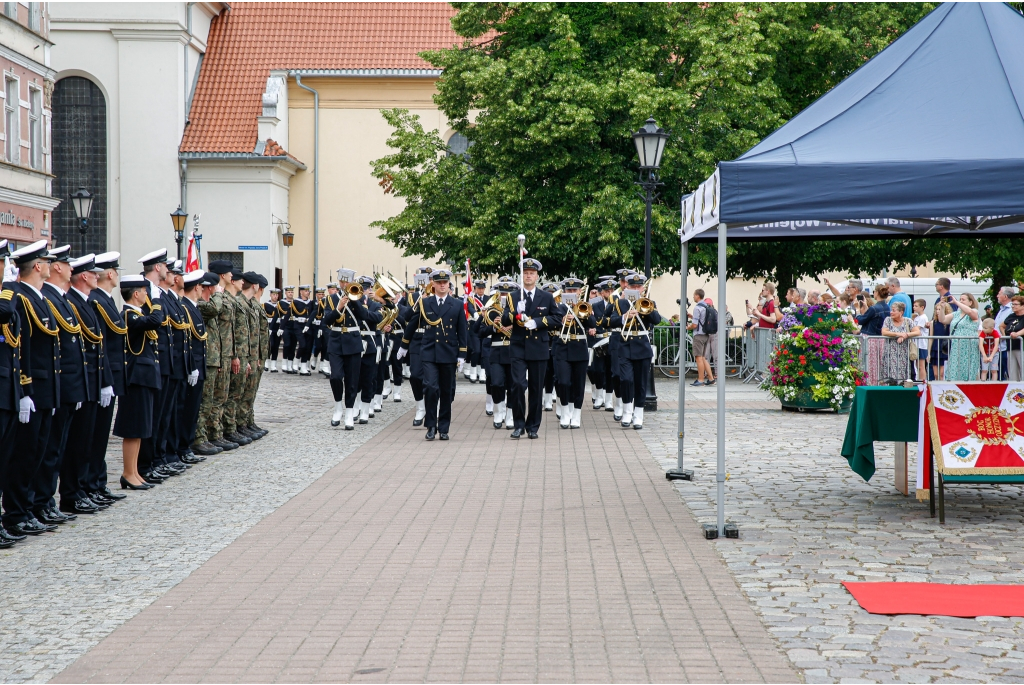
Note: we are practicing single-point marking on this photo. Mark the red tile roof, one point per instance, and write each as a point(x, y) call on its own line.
point(253, 38)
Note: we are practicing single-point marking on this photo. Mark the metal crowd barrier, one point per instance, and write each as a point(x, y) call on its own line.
point(666, 339)
point(876, 359)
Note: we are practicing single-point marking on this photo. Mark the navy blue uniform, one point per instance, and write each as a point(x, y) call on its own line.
point(445, 342)
point(114, 336)
point(530, 352)
point(345, 345)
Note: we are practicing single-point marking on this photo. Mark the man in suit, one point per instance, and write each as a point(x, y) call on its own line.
point(73, 393)
point(345, 347)
point(41, 384)
point(533, 314)
point(114, 331)
point(445, 343)
point(76, 466)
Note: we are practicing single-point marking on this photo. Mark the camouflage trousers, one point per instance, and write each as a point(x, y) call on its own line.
point(202, 428)
point(233, 408)
point(218, 402)
point(252, 384)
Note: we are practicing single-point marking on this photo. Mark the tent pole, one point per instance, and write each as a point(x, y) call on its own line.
point(723, 332)
point(679, 473)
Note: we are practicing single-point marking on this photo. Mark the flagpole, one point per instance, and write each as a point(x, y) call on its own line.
point(522, 244)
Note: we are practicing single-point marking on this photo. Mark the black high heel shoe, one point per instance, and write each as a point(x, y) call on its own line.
point(127, 485)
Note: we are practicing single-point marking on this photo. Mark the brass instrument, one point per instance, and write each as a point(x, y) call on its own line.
point(354, 291)
point(388, 291)
point(583, 309)
point(645, 306)
point(493, 310)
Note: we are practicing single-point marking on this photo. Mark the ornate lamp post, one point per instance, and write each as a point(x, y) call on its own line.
point(81, 200)
point(650, 144)
point(178, 218)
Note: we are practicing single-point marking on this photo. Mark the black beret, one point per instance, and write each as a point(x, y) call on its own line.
point(220, 266)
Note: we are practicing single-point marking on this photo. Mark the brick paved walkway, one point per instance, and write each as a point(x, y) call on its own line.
point(568, 558)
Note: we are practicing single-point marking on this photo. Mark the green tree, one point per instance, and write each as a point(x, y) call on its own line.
point(549, 94)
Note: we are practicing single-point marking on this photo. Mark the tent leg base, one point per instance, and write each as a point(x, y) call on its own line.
point(710, 531)
point(679, 474)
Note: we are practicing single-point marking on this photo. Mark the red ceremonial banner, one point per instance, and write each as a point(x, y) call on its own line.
point(977, 428)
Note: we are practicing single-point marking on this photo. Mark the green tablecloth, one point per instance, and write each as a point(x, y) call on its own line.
point(885, 413)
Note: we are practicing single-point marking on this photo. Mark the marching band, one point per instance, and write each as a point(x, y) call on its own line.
point(174, 371)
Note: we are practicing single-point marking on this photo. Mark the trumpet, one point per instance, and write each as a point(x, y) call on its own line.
point(354, 291)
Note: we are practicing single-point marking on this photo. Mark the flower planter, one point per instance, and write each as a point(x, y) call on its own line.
point(814, 366)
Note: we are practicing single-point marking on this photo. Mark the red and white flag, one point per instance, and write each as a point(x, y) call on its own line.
point(192, 262)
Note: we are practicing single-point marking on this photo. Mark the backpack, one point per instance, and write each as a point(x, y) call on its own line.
point(710, 319)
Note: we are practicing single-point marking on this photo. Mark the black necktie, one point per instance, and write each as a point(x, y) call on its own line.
point(529, 296)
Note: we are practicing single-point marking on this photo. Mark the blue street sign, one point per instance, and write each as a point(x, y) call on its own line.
point(253, 247)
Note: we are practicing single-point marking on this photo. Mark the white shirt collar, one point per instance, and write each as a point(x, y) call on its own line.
point(34, 289)
point(85, 296)
point(56, 288)
point(530, 291)
point(131, 306)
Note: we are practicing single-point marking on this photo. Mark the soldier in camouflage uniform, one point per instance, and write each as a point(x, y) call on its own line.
point(244, 420)
point(264, 344)
point(208, 286)
point(219, 355)
point(241, 318)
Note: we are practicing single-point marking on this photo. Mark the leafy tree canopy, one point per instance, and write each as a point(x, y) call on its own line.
point(549, 94)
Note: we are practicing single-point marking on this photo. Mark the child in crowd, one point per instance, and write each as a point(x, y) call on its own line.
point(921, 321)
point(940, 348)
point(988, 343)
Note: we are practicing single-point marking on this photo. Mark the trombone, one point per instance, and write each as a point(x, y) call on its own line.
point(581, 309)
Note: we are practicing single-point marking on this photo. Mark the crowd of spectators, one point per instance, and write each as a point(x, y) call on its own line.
point(952, 338)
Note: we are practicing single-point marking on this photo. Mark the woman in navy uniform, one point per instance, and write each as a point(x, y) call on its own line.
point(635, 351)
point(445, 342)
point(532, 316)
point(345, 347)
point(570, 354)
point(134, 421)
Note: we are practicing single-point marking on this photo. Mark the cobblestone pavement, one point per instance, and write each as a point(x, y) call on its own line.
point(807, 523)
point(568, 558)
point(62, 593)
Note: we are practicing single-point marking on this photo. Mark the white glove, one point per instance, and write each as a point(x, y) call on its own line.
point(458, 368)
point(280, 332)
point(25, 408)
point(305, 329)
point(531, 324)
point(401, 353)
point(78, 406)
point(193, 377)
point(106, 395)
point(521, 306)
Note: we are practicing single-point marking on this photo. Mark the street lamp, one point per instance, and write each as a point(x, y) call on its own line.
point(288, 238)
point(178, 218)
point(81, 200)
point(650, 144)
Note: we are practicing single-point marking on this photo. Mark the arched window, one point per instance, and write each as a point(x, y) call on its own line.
point(458, 144)
point(79, 142)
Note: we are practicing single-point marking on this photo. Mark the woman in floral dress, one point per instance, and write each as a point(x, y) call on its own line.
point(964, 356)
point(897, 330)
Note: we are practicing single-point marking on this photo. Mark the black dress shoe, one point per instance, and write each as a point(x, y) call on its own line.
point(106, 492)
point(46, 517)
point(532, 435)
point(443, 436)
point(152, 478)
point(30, 527)
point(489, 413)
point(99, 500)
point(431, 432)
point(57, 513)
point(9, 536)
point(417, 422)
point(189, 461)
point(225, 445)
point(80, 506)
point(128, 485)
point(5, 543)
point(517, 433)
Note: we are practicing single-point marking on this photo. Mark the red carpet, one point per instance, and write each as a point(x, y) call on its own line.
point(938, 599)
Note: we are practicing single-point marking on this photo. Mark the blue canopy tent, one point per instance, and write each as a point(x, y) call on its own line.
point(926, 138)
